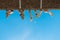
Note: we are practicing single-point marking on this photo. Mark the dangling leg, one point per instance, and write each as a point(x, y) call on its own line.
point(21, 13)
point(9, 12)
point(36, 13)
point(46, 11)
point(40, 12)
point(50, 13)
point(30, 15)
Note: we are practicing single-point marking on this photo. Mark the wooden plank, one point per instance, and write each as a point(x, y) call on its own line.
point(30, 4)
point(9, 4)
point(51, 4)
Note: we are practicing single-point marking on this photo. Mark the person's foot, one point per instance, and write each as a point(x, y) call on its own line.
point(22, 16)
point(50, 13)
point(31, 19)
point(37, 15)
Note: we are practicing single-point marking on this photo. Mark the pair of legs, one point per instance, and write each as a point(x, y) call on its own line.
point(45, 11)
point(11, 12)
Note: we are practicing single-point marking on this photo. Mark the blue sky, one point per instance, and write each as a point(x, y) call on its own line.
point(45, 27)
